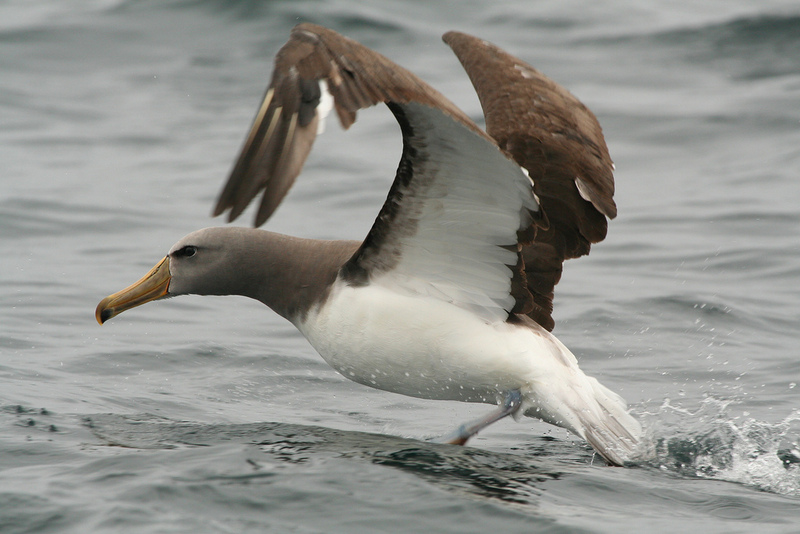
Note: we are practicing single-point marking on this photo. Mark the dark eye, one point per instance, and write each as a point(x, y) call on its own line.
point(187, 252)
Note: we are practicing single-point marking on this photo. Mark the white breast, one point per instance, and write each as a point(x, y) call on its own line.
point(424, 347)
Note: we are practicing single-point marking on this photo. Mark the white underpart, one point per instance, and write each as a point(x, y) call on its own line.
point(424, 347)
point(324, 107)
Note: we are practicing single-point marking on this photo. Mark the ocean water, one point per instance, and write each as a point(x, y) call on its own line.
point(119, 121)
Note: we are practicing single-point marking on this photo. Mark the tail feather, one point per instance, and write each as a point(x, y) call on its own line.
point(591, 411)
point(560, 393)
point(611, 431)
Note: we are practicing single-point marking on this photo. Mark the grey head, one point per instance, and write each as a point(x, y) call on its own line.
point(288, 274)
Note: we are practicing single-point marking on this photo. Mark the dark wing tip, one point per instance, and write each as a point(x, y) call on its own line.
point(282, 132)
point(455, 38)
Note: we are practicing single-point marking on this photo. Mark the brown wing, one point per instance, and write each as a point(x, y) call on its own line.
point(552, 135)
point(449, 226)
point(286, 124)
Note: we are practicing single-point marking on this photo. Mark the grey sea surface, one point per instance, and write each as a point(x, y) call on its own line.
point(119, 121)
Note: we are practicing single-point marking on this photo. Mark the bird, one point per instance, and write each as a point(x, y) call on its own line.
point(450, 294)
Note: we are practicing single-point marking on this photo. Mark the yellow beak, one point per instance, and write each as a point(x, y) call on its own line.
point(152, 286)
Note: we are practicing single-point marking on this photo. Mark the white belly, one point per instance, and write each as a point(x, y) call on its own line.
point(424, 347)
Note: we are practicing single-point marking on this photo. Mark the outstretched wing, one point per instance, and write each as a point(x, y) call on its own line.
point(559, 142)
point(449, 226)
point(315, 71)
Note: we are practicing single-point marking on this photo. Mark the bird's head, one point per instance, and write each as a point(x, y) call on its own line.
point(198, 264)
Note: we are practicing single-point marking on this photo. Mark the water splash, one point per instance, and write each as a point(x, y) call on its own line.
point(711, 443)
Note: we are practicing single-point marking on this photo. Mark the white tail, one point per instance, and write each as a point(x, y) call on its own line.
point(566, 397)
point(613, 432)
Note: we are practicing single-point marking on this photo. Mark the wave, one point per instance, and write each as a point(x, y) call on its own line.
point(710, 442)
point(707, 443)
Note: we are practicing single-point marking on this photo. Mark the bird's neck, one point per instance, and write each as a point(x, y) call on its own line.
point(289, 274)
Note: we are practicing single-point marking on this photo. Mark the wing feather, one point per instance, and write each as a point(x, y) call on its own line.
point(315, 64)
point(552, 135)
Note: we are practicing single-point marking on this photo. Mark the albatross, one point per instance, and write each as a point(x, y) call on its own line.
point(450, 294)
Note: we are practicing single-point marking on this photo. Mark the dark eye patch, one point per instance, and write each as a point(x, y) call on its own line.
point(186, 252)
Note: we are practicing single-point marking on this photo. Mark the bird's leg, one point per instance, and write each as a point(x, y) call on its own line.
point(511, 403)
